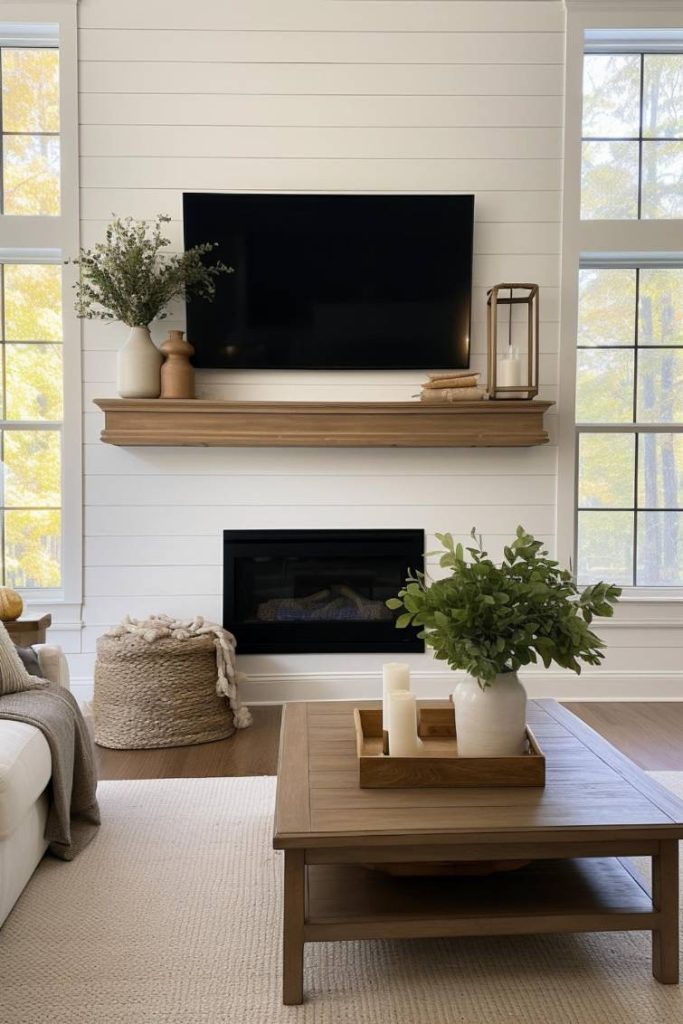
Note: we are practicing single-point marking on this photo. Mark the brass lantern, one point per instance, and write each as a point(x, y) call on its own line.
point(512, 342)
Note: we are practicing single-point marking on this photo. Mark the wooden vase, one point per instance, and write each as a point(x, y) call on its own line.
point(177, 373)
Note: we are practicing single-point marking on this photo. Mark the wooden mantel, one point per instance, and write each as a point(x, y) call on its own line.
point(202, 422)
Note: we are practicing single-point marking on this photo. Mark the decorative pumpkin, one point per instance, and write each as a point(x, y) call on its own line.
point(11, 604)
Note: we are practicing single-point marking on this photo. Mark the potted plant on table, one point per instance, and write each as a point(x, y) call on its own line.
point(128, 277)
point(491, 620)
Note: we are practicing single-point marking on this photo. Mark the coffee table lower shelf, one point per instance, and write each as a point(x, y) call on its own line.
point(347, 901)
point(342, 901)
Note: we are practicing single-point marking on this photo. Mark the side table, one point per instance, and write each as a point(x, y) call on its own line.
point(26, 632)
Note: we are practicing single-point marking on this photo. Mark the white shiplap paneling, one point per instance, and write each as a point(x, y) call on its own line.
point(300, 143)
point(314, 110)
point(191, 77)
point(464, 16)
point(329, 48)
point(377, 96)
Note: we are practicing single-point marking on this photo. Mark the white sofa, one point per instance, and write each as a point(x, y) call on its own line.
point(25, 769)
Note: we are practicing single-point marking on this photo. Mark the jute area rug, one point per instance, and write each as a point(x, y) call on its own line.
point(173, 915)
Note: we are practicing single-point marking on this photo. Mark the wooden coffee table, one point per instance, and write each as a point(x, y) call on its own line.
point(597, 810)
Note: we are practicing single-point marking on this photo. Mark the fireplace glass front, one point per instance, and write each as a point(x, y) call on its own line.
point(318, 591)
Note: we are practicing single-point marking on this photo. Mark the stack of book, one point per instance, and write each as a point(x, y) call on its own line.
point(452, 386)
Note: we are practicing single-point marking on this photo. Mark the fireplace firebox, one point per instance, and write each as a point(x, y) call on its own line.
point(318, 591)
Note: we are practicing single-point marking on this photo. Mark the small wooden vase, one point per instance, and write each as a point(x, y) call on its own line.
point(177, 373)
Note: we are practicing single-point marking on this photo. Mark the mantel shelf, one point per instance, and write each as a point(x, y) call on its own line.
point(202, 422)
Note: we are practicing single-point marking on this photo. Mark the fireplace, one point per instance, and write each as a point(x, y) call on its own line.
point(317, 591)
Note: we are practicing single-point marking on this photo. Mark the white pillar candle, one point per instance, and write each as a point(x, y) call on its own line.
point(395, 676)
point(403, 740)
point(510, 369)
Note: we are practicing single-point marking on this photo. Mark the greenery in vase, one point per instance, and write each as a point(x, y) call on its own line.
point(129, 277)
point(490, 619)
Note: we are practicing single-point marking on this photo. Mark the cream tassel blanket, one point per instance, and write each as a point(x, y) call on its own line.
point(156, 627)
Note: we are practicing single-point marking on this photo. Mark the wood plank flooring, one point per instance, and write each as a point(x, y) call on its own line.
point(650, 733)
point(250, 751)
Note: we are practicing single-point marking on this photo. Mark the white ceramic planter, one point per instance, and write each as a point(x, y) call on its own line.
point(490, 722)
point(139, 366)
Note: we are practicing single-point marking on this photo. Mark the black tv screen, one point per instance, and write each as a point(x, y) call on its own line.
point(334, 281)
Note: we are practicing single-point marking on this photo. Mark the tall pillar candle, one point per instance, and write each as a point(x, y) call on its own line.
point(395, 676)
point(403, 741)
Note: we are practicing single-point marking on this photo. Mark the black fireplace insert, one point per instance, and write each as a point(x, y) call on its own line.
point(318, 591)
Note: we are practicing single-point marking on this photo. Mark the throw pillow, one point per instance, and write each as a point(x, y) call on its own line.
point(13, 676)
point(29, 660)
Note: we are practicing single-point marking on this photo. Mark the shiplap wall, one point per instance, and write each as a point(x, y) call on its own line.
point(347, 95)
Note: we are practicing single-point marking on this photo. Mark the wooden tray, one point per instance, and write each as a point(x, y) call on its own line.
point(439, 766)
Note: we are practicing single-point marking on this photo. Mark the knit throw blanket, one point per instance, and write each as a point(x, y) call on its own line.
point(73, 815)
point(158, 627)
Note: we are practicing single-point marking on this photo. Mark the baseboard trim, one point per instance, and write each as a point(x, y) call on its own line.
point(275, 688)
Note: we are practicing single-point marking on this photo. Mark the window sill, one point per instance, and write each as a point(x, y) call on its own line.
point(652, 595)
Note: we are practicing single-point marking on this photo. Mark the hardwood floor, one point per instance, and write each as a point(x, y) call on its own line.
point(650, 733)
point(250, 751)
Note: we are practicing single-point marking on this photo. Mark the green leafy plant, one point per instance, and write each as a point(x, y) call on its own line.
point(129, 277)
point(490, 619)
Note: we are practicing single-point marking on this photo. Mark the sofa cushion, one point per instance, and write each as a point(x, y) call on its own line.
point(25, 769)
point(13, 676)
point(29, 660)
point(53, 664)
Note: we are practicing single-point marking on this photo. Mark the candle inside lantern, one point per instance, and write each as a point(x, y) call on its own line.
point(509, 369)
point(403, 740)
point(395, 676)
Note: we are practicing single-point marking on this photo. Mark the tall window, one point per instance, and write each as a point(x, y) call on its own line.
point(31, 436)
point(31, 327)
point(632, 161)
point(629, 380)
point(629, 411)
point(30, 130)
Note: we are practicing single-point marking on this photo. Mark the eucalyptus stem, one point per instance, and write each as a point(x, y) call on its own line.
point(128, 277)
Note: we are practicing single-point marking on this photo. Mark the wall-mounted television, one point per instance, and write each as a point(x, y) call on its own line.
point(334, 281)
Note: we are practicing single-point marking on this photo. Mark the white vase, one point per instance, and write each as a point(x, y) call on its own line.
point(490, 722)
point(139, 366)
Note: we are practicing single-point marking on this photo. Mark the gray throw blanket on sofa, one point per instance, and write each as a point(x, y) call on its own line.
point(73, 815)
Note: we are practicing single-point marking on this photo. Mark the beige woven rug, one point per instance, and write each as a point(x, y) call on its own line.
point(173, 915)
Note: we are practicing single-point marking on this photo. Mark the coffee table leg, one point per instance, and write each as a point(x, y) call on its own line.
point(293, 928)
point(665, 951)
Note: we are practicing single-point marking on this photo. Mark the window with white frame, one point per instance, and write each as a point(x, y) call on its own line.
point(29, 116)
point(632, 159)
point(31, 323)
point(629, 373)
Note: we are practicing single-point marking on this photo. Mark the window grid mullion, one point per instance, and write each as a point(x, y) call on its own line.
point(636, 330)
point(640, 139)
point(2, 179)
point(3, 353)
point(55, 135)
point(2, 517)
point(584, 138)
point(636, 455)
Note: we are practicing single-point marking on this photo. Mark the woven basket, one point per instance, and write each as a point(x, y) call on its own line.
point(159, 694)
